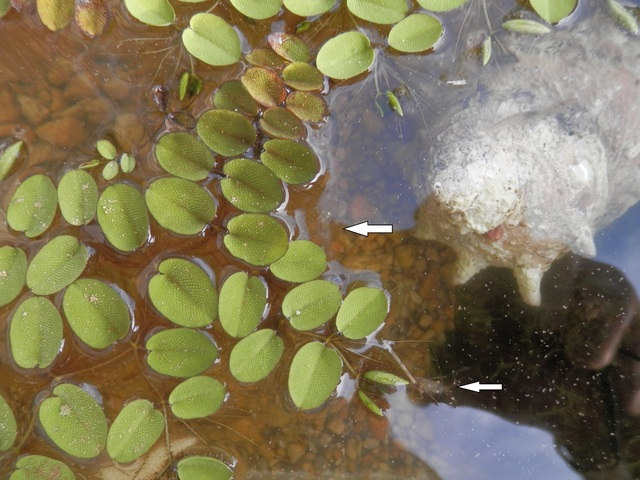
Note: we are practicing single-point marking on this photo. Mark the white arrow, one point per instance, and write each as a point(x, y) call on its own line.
point(477, 386)
point(364, 229)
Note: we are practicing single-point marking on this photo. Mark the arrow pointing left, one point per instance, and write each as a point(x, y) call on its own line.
point(477, 386)
point(364, 228)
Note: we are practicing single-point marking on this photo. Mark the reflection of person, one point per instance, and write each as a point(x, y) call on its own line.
point(571, 366)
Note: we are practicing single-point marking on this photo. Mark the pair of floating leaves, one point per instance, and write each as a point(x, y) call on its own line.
point(210, 39)
point(33, 206)
point(35, 467)
point(8, 426)
point(181, 352)
point(203, 468)
point(58, 263)
point(416, 33)
point(225, 132)
point(314, 374)
point(184, 293)
point(96, 313)
point(122, 215)
point(257, 239)
point(158, 13)
point(255, 356)
point(134, 431)
point(35, 333)
point(13, 272)
point(303, 261)
point(184, 156)
point(345, 56)
point(311, 304)
point(8, 158)
point(78, 197)
point(251, 187)
point(243, 299)
point(197, 397)
point(292, 162)
point(74, 421)
point(180, 205)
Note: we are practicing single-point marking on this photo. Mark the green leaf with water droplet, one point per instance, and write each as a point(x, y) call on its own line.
point(254, 357)
point(180, 205)
point(441, 5)
point(307, 106)
point(243, 299)
point(378, 11)
point(281, 123)
point(311, 304)
point(265, 86)
point(35, 333)
point(553, 10)
point(184, 156)
point(367, 402)
point(232, 95)
point(33, 206)
point(314, 375)
point(58, 263)
point(8, 426)
point(203, 468)
point(303, 77)
point(385, 378)
point(78, 197)
point(127, 162)
point(134, 431)
point(527, 27)
point(623, 16)
point(106, 149)
point(96, 313)
point(303, 261)
point(292, 162)
point(345, 56)
point(210, 39)
point(74, 421)
point(290, 47)
point(362, 312)
point(184, 293)
point(416, 33)
point(251, 187)
point(256, 238)
point(225, 132)
point(181, 352)
point(55, 14)
point(258, 10)
point(197, 397)
point(110, 170)
point(122, 215)
point(37, 467)
point(13, 271)
point(9, 156)
point(159, 13)
point(309, 8)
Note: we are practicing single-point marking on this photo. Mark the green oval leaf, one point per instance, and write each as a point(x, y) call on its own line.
point(35, 333)
point(58, 263)
point(254, 357)
point(33, 206)
point(307, 106)
point(210, 39)
point(225, 132)
point(106, 149)
point(309, 8)
point(289, 47)
point(92, 17)
point(96, 313)
point(265, 57)
point(385, 378)
point(180, 205)
point(122, 215)
point(416, 33)
point(197, 397)
point(78, 197)
point(257, 10)
point(251, 187)
point(367, 402)
point(553, 10)
point(243, 299)
point(281, 123)
point(203, 468)
point(527, 27)
point(314, 375)
point(311, 304)
point(13, 272)
point(362, 312)
point(184, 156)
point(345, 56)
point(303, 261)
point(55, 14)
point(74, 421)
point(159, 13)
point(623, 16)
point(378, 11)
point(183, 293)
point(37, 467)
point(181, 352)
point(292, 162)
point(127, 162)
point(134, 431)
point(485, 49)
point(110, 170)
point(303, 77)
point(8, 426)
point(232, 95)
point(265, 86)
point(9, 157)
point(256, 238)
point(441, 5)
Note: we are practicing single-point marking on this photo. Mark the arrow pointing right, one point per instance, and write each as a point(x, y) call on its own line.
point(477, 386)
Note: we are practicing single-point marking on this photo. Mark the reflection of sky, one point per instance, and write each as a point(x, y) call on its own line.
point(466, 443)
point(619, 245)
